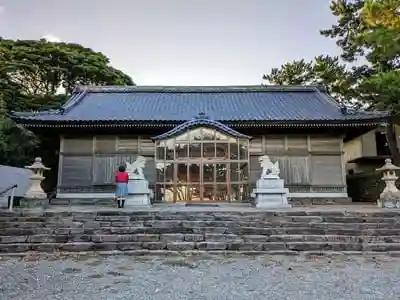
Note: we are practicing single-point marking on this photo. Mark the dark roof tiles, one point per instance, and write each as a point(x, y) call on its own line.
point(251, 103)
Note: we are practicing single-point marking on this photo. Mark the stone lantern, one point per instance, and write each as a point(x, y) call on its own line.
point(390, 197)
point(35, 190)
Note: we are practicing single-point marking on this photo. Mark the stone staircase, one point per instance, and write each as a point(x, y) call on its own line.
point(288, 232)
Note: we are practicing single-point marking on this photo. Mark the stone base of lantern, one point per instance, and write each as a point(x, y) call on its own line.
point(389, 200)
point(34, 203)
point(35, 196)
point(42, 202)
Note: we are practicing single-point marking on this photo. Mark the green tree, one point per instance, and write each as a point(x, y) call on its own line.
point(364, 30)
point(382, 88)
point(323, 71)
point(42, 68)
point(11, 135)
point(382, 13)
point(37, 74)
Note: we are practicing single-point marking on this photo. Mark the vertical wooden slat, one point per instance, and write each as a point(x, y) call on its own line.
point(76, 171)
point(297, 142)
point(264, 147)
point(255, 170)
point(139, 143)
point(343, 163)
point(274, 144)
point(60, 162)
point(285, 143)
point(104, 144)
point(127, 144)
point(78, 145)
point(255, 146)
point(368, 143)
point(150, 171)
point(325, 144)
point(104, 168)
point(294, 169)
point(93, 160)
point(299, 170)
point(146, 146)
point(326, 170)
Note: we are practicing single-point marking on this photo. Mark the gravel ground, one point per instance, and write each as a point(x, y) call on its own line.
point(212, 277)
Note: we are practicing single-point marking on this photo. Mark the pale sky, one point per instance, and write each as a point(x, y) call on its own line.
point(180, 42)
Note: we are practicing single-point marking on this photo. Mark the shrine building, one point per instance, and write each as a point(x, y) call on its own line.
point(202, 144)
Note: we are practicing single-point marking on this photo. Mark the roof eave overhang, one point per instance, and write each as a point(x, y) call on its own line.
point(172, 124)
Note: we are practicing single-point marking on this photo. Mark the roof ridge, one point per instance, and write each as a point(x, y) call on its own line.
point(74, 100)
point(198, 89)
point(326, 96)
point(36, 113)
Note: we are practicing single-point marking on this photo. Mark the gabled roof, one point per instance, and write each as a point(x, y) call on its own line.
point(201, 121)
point(125, 105)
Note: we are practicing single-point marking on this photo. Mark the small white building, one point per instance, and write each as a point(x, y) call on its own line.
point(10, 176)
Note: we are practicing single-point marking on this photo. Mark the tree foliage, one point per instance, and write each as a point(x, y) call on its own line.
point(383, 87)
point(37, 74)
point(322, 71)
point(366, 31)
point(378, 13)
point(45, 68)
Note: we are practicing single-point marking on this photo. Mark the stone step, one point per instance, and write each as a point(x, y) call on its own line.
point(199, 218)
point(314, 231)
point(297, 215)
point(184, 224)
point(289, 231)
point(121, 230)
point(109, 202)
point(334, 238)
point(208, 246)
point(208, 237)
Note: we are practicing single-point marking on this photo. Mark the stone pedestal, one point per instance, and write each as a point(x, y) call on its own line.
point(34, 203)
point(271, 193)
point(138, 193)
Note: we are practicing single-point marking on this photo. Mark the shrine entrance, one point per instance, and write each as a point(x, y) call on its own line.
point(202, 161)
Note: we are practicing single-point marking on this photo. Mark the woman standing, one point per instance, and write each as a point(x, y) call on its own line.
point(121, 180)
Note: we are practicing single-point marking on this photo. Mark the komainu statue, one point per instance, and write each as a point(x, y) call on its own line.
point(268, 167)
point(135, 169)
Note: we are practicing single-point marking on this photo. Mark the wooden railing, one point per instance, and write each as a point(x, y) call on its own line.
point(4, 193)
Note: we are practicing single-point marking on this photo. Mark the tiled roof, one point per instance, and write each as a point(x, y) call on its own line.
point(178, 104)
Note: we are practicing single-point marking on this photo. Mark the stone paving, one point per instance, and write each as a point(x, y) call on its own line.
point(205, 277)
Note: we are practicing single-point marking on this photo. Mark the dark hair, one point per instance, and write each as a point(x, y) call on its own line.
point(121, 168)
